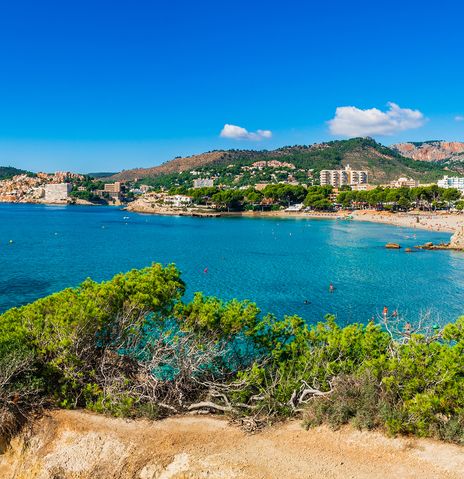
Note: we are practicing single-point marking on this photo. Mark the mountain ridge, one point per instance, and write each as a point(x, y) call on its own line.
point(384, 164)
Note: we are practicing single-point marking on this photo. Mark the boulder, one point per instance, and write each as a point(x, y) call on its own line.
point(392, 246)
point(457, 240)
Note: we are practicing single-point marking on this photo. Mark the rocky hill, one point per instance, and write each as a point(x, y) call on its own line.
point(448, 153)
point(383, 164)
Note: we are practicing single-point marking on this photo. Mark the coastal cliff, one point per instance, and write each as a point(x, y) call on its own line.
point(77, 445)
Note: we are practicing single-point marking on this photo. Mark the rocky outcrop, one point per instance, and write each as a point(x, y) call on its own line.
point(457, 240)
point(431, 150)
point(392, 246)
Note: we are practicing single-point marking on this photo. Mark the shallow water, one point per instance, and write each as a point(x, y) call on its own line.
point(278, 263)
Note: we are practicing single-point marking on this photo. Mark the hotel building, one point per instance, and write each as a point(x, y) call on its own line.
point(348, 176)
point(452, 182)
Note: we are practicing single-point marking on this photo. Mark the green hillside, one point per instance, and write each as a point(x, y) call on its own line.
point(7, 172)
point(382, 163)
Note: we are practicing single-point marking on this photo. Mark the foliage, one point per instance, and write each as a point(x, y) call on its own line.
point(423, 197)
point(228, 199)
point(286, 194)
point(318, 197)
point(7, 172)
point(131, 347)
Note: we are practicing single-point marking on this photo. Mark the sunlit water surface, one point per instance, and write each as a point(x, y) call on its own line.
point(278, 263)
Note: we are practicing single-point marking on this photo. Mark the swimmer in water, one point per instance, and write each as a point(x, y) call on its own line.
point(331, 288)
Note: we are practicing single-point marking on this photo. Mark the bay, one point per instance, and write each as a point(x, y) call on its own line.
point(278, 263)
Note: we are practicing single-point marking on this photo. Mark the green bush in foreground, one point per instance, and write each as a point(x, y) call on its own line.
point(130, 347)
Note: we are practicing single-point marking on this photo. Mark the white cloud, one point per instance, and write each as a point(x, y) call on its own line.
point(459, 118)
point(239, 133)
point(351, 121)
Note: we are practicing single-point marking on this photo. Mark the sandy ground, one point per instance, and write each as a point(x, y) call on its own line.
point(77, 445)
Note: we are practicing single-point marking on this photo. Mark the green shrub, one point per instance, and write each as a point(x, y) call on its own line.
point(130, 347)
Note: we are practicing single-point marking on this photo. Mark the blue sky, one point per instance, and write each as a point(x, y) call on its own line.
point(101, 86)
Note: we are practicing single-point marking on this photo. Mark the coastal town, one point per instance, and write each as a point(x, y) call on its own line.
point(344, 193)
point(63, 188)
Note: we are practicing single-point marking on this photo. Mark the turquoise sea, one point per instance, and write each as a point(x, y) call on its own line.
point(278, 263)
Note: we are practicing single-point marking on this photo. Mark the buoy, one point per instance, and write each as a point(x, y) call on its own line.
point(11, 241)
point(205, 270)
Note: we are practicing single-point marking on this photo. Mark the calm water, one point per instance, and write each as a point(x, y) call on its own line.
point(277, 263)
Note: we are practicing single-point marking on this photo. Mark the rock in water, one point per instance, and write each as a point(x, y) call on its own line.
point(392, 246)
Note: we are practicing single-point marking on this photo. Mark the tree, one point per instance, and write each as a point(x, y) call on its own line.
point(285, 194)
point(318, 197)
point(229, 199)
point(404, 203)
point(450, 195)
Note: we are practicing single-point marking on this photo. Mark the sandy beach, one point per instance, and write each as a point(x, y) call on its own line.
point(432, 221)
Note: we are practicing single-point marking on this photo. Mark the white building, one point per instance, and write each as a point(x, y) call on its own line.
point(203, 183)
point(178, 201)
point(404, 182)
point(297, 207)
point(348, 176)
point(57, 192)
point(452, 182)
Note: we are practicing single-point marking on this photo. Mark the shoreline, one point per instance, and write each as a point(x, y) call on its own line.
point(437, 221)
point(442, 222)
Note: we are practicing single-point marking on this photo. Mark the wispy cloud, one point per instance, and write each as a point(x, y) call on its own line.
point(459, 118)
point(238, 133)
point(351, 121)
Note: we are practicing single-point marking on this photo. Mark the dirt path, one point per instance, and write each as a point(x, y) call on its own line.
point(76, 445)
